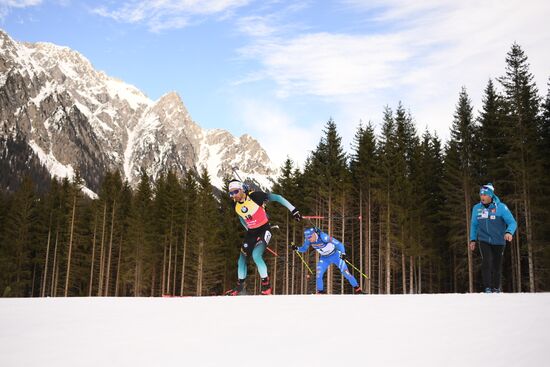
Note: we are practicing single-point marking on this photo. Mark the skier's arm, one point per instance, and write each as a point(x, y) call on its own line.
point(304, 247)
point(509, 219)
point(473, 224)
point(281, 200)
point(339, 246)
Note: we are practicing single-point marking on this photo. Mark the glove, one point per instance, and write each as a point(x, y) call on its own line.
point(343, 256)
point(294, 247)
point(296, 214)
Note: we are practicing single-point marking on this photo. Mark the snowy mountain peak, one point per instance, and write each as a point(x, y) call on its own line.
point(74, 117)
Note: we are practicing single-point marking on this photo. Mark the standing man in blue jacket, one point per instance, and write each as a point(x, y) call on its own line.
point(332, 251)
point(492, 225)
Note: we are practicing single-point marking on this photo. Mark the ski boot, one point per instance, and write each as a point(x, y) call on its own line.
point(496, 290)
point(488, 290)
point(358, 290)
point(266, 287)
point(237, 290)
point(322, 291)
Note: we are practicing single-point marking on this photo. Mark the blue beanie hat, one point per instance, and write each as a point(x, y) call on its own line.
point(308, 232)
point(489, 190)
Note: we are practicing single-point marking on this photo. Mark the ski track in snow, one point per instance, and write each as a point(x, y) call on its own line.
point(465, 330)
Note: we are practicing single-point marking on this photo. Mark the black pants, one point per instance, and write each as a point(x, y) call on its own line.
point(491, 265)
point(253, 236)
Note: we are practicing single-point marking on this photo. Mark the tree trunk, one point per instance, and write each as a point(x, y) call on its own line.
point(529, 239)
point(404, 272)
point(33, 279)
point(287, 257)
point(168, 286)
point(330, 233)
point(45, 277)
point(200, 268)
point(419, 277)
point(93, 257)
point(54, 265)
point(388, 244)
point(175, 266)
point(117, 282)
point(343, 236)
point(70, 248)
point(163, 283)
point(468, 208)
point(411, 275)
point(361, 237)
point(274, 282)
point(102, 253)
point(380, 245)
point(518, 257)
point(369, 244)
point(107, 277)
point(183, 259)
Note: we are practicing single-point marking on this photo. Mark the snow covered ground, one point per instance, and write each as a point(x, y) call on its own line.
point(463, 330)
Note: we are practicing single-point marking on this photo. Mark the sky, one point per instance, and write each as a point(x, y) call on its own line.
point(451, 330)
point(279, 70)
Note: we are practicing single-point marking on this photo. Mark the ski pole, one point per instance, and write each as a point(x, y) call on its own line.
point(235, 169)
point(301, 258)
point(273, 252)
point(360, 272)
point(267, 248)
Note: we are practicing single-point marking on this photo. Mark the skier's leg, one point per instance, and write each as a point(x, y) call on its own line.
point(344, 269)
point(241, 274)
point(486, 264)
point(322, 267)
point(257, 256)
point(241, 267)
point(498, 252)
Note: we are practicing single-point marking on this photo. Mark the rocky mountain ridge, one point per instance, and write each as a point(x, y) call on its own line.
point(74, 117)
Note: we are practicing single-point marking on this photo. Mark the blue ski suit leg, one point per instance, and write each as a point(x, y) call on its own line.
point(323, 265)
point(257, 256)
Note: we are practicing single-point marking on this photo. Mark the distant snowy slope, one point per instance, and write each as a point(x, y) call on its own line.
point(282, 331)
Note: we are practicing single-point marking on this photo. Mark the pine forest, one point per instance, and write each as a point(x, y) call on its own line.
point(400, 201)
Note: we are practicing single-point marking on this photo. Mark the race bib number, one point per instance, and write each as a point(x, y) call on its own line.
point(324, 249)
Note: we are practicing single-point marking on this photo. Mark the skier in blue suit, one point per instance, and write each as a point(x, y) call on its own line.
point(332, 251)
point(492, 224)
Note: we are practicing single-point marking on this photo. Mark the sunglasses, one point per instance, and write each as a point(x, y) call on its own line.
point(234, 192)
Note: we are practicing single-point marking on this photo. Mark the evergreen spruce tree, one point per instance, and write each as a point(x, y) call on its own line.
point(232, 234)
point(211, 253)
point(405, 172)
point(460, 187)
point(385, 193)
point(190, 236)
point(18, 245)
point(545, 197)
point(429, 206)
point(362, 168)
point(493, 142)
point(523, 158)
point(288, 186)
point(140, 238)
point(329, 165)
